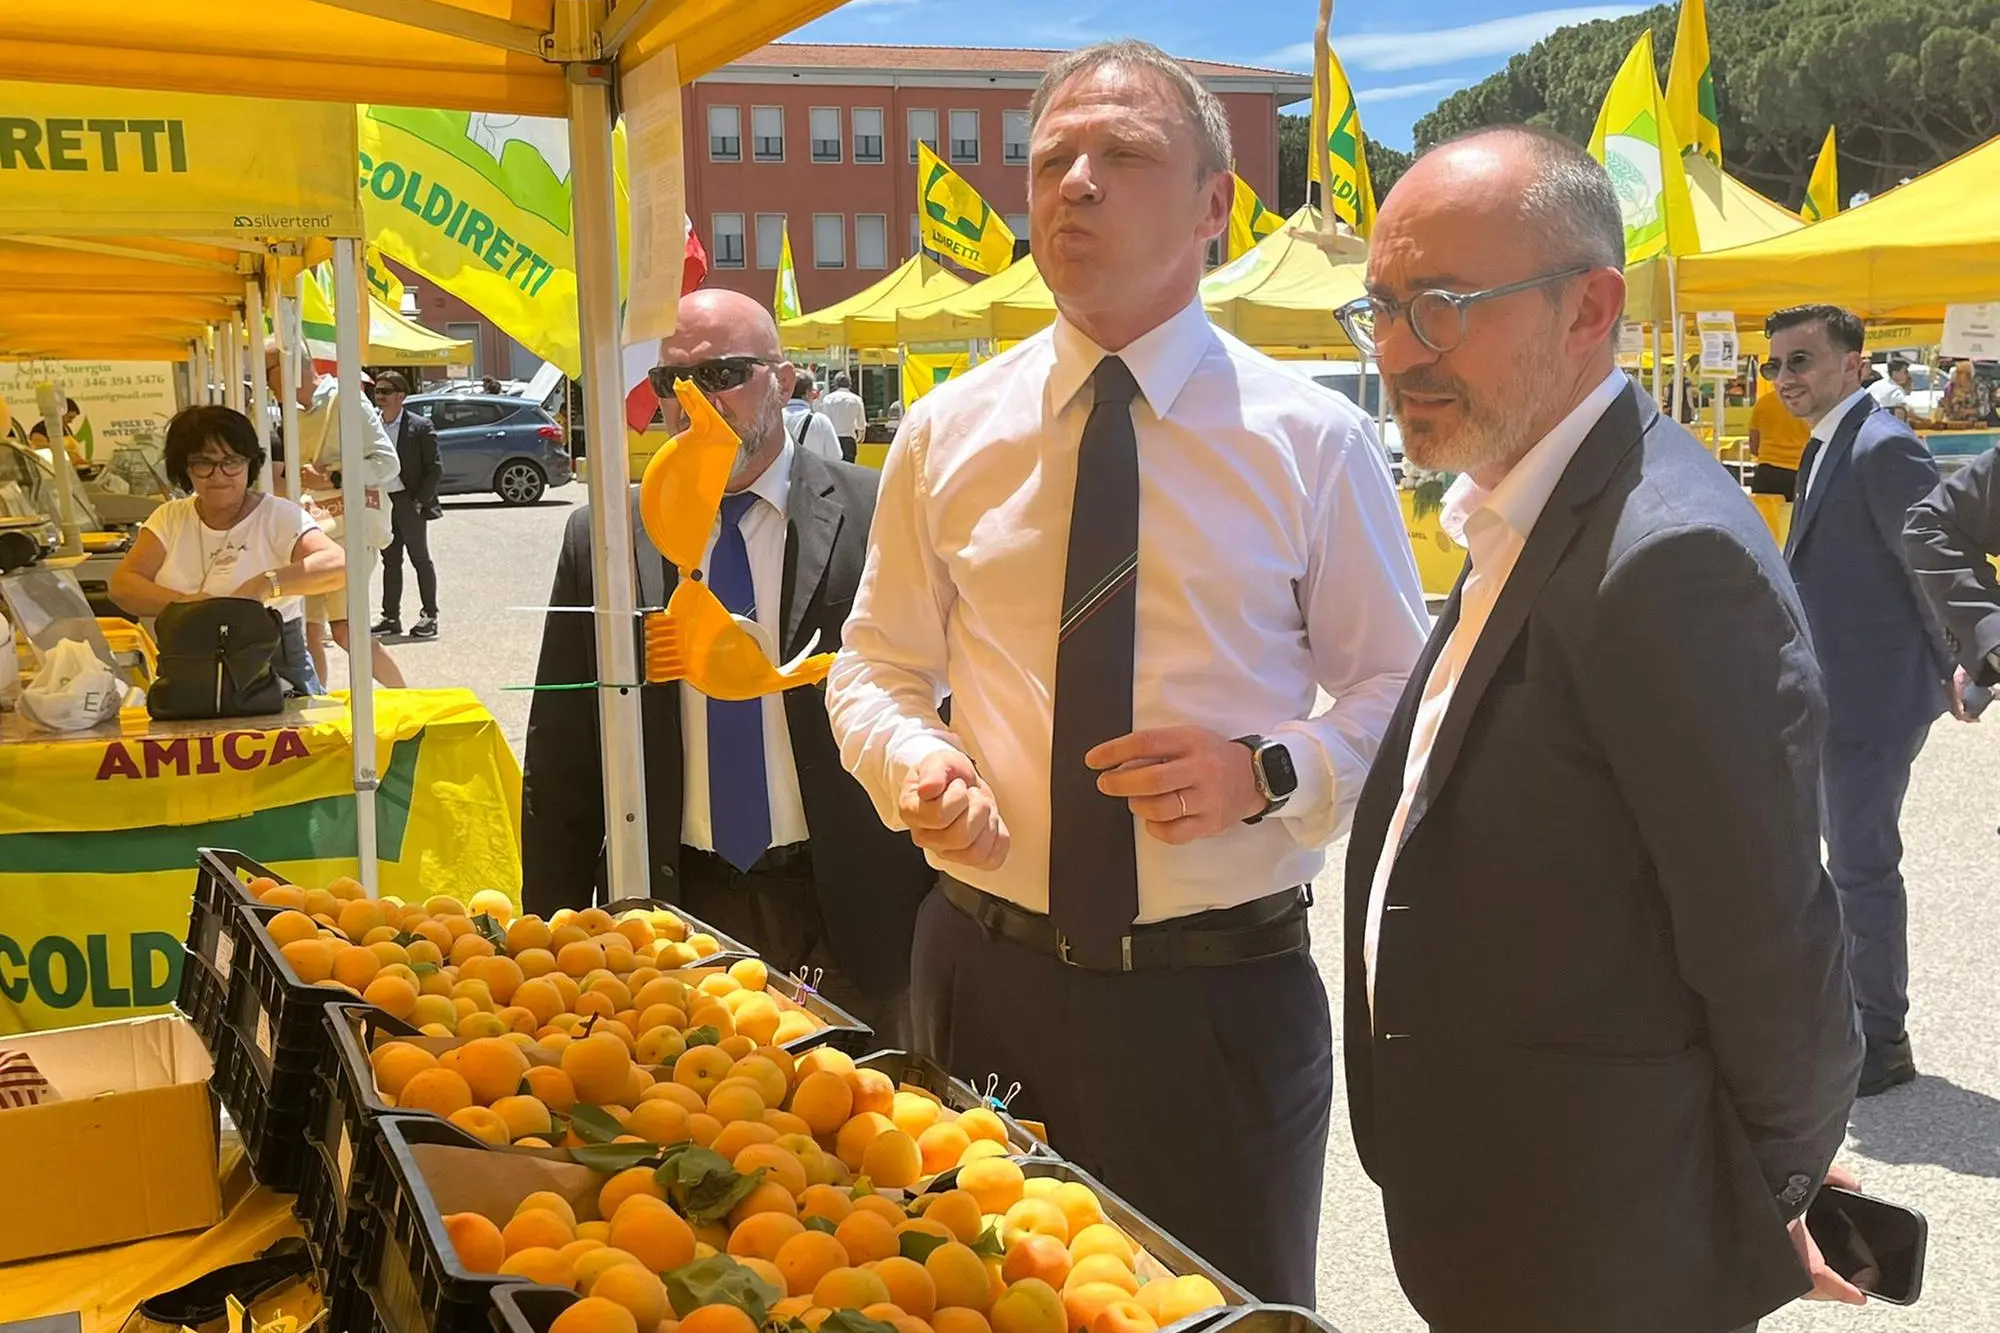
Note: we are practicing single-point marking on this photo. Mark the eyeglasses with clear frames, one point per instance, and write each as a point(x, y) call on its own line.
point(1436, 317)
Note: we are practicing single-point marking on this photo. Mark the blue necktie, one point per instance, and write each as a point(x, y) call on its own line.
point(739, 801)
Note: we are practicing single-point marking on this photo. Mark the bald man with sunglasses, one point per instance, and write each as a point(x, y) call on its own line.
point(752, 823)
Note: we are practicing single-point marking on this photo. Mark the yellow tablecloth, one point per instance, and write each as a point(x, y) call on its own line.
point(105, 1285)
point(98, 832)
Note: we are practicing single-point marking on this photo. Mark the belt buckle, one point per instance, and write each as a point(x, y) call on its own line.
point(1062, 951)
point(1066, 956)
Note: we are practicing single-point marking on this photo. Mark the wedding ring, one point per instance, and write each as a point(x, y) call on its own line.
point(1181, 796)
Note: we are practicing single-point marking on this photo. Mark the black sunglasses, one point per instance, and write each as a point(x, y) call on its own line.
point(717, 376)
point(1798, 363)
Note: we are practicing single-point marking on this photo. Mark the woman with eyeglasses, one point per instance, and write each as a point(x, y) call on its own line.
point(228, 539)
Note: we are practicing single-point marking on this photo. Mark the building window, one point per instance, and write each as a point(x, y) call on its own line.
point(826, 133)
point(916, 235)
point(770, 239)
point(726, 231)
point(470, 333)
point(871, 240)
point(923, 129)
point(767, 132)
point(965, 136)
point(867, 133)
point(829, 240)
point(725, 134)
point(1014, 138)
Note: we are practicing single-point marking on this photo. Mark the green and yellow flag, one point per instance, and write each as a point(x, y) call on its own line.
point(957, 223)
point(1823, 190)
point(479, 203)
point(386, 286)
point(1691, 85)
point(1334, 114)
point(1635, 141)
point(1249, 221)
point(785, 301)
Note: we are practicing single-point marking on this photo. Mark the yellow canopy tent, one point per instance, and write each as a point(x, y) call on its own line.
point(1902, 255)
point(1281, 294)
point(536, 57)
point(868, 318)
point(1727, 214)
point(1013, 303)
point(396, 340)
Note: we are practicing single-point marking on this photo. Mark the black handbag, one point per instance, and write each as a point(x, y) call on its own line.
point(218, 658)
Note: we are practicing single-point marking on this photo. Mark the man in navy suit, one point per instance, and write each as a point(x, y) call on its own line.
point(1888, 673)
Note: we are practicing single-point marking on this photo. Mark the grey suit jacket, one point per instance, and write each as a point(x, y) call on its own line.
point(1612, 1046)
point(1948, 536)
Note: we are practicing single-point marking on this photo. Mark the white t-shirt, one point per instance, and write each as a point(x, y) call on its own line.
point(199, 559)
point(1889, 394)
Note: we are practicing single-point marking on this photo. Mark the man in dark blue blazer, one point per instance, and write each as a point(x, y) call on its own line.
point(1888, 673)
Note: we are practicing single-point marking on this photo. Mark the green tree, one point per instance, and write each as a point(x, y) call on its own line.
point(1386, 165)
point(1909, 85)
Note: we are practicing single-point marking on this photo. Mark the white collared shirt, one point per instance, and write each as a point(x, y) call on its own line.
point(843, 407)
point(816, 436)
point(764, 536)
point(1273, 562)
point(1823, 432)
point(1493, 525)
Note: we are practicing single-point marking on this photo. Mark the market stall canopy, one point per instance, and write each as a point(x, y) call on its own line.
point(1279, 296)
point(475, 55)
point(867, 319)
point(1013, 303)
point(1727, 214)
point(396, 340)
point(1905, 254)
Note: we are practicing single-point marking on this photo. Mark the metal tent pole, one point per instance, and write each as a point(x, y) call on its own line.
point(50, 400)
point(232, 363)
point(289, 371)
point(613, 567)
point(264, 301)
point(1674, 309)
point(202, 396)
point(354, 500)
point(1656, 358)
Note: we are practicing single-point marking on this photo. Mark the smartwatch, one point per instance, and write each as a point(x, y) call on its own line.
point(1277, 779)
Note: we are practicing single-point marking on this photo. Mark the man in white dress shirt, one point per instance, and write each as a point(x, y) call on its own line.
point(1597, 1031)
point(844, 408)
point(1133, 551)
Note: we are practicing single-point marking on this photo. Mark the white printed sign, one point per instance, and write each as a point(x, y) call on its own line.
point(1971, 331)
point(1719, 350)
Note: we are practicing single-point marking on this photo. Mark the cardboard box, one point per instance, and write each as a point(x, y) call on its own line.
point(130, 1150)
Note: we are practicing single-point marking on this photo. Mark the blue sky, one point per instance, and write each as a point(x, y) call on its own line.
point(1402, 58)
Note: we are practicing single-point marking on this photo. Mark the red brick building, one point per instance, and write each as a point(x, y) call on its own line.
point(824, 138)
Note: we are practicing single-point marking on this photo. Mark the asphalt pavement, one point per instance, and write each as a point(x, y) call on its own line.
point(1934, 1144)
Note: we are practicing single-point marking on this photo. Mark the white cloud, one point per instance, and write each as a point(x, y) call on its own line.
point(1400, 91)
point(1426, 48)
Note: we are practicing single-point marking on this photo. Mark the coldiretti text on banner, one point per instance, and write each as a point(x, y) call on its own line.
point(236, 165)
point(458, 221)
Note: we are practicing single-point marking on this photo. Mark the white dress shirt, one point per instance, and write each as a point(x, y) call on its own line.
point(1493, 526)
point(818, 437)
point(764, 536)
point(1273, 562)
point(1823, 432)
point(843, 407)
point(1888, 394)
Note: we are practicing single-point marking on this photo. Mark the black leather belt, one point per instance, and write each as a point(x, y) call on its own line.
point(1268, 927)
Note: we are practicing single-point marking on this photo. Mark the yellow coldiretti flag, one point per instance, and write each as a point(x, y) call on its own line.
point(1823, 190)
point(1635, 141)
point(785, 302)
point(1335, 115)
point(387, 287)
point(479, 203)
point(1249, 221)
point(957, 223)
point(1691, 85)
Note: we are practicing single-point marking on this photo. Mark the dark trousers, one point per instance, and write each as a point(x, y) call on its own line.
point(1861, 794)
point(1770, 479)
point(778, 915)
point(1199, 1094)
point(412, 529)
point(847, 447)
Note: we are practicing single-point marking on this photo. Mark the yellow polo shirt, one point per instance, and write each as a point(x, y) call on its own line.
point(1781, 437)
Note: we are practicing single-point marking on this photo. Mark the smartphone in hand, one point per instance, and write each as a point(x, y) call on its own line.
point(1875, 1244)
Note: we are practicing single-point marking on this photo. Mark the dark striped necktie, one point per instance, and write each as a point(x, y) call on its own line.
point(1093, 854)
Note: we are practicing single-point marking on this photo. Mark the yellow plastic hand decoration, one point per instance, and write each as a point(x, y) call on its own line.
point(696, 639)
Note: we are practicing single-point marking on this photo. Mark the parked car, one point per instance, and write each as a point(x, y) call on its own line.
point(486, 442)
point(1360, 384)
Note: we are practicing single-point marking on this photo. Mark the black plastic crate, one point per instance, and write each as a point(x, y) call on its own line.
point(345, 1162)
point(273, 1134)
point(408, 1266)
point(1270, 1319)
point(349, 1307)
point(1175, 1257)
point(529, 1307)
point(203, 997)
point(922, 1072)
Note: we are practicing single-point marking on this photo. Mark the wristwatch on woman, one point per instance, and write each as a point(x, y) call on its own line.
point(1277, 779)
point(277, 589)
